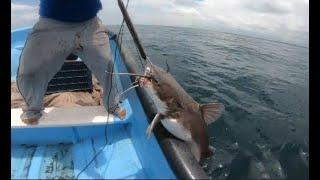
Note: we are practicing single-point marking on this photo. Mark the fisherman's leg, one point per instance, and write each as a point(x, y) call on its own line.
point(41, 58)
point(95, 52)
point(98, 60)
point(153, 124)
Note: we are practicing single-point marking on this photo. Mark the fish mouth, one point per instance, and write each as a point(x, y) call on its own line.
point(144, 82)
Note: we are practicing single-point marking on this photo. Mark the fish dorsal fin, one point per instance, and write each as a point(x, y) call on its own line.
point(211, 112)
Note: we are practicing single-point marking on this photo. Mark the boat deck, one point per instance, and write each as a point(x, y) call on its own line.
point(66, 139)
point(73, 136)
point(118, 160)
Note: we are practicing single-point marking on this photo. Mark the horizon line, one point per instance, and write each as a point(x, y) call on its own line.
point(202, 28)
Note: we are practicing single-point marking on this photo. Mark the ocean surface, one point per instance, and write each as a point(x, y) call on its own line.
point(264, 85)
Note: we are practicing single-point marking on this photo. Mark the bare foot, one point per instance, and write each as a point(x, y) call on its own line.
point(121, 113)
point(30, 121)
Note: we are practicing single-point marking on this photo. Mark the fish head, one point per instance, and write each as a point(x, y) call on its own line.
point(158, 85)
point(178, 107)
point(155, 77)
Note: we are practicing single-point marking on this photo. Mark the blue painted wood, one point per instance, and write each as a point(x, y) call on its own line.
point(57, 162)
point(128, 155)
point(17, 157)
point(36, 162)
point(21, 158)
point(70, 134)
point(118, 159)
point(41, 136)
point(148, 150)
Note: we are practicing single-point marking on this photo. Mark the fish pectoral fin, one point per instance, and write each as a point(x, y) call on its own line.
point(154, 122)
point(195, 150)
point(211, 112)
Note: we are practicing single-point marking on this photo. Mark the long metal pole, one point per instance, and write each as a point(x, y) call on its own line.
point(132, 30)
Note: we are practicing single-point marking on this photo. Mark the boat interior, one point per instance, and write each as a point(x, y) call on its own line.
point(84, 142)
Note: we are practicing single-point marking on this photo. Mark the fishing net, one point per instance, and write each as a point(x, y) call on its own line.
point(62, 99)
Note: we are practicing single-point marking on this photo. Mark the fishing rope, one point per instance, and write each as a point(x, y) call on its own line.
point(120, 33)
point(140, 58)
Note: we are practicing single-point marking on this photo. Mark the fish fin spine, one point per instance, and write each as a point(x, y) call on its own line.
point(211, 112)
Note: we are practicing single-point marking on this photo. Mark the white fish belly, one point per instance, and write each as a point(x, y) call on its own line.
point(161, 106)
point(177, 129)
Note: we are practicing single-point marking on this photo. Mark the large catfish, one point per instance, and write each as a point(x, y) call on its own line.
point(179, 113)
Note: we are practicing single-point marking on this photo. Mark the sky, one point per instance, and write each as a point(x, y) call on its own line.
point(279, 20)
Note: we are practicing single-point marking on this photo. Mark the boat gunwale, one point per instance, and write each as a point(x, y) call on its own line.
point(146, 149)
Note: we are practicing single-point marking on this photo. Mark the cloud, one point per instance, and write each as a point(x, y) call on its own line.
point(188, 3)
point(21, 7)
point(284, 20)
point(265, 6)
point(281, 21)
point(23, 15)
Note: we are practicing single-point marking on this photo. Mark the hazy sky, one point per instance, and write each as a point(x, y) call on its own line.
point(282, 20)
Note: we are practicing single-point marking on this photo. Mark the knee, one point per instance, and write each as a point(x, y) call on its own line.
point(31, 69)
point(30, 74)
point(26, 73)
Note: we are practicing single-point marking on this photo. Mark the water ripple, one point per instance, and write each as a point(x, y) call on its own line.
point(263, 85)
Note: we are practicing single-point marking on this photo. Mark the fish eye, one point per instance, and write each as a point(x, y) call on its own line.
point(148, 70)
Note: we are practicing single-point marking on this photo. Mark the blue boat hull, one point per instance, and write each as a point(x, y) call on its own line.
point(62, 152)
